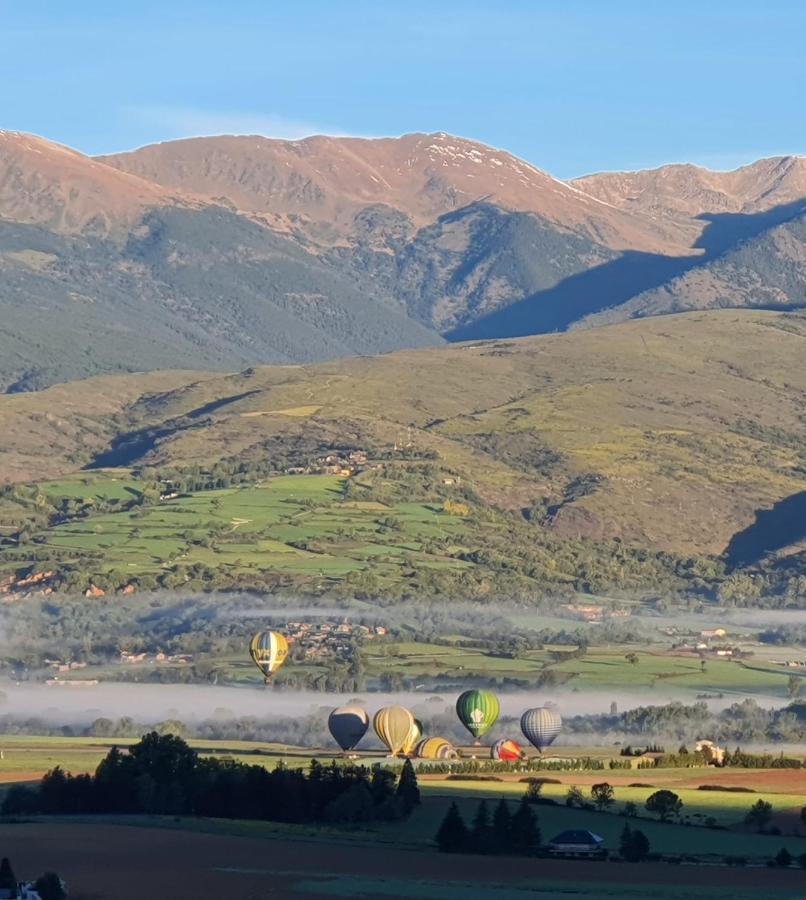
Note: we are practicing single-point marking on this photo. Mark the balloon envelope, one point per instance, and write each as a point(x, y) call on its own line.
point(348, 724)
point(541, 725)
point(268, 650)
point(436, 748)
point(506, 750)
point(477, 711)
point(414, 735)
point(393, 725)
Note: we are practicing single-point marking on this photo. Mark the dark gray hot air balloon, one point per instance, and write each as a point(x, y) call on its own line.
point(541, 725)
point(348, 724)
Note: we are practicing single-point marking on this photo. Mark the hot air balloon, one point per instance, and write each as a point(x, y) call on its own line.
point(268, 650)
point(393, 725)
point(541, 725)
point(414, 736)
point(436, 748)
point(348, 724)
point(506, 750)
point(477, 711)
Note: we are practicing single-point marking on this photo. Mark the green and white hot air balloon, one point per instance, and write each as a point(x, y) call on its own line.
point(477, 711)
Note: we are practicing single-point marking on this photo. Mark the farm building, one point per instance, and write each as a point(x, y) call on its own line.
point(580, 844)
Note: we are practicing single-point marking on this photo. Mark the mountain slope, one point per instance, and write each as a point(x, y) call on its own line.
point(662, 432)
point(691, 191)
point(187, 288)
point(469, 263)
point(319, 184)
point(768, 271)
point(102, 271)
point(46, 184)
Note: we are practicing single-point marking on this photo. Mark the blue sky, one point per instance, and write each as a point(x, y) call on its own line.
point(571, 86)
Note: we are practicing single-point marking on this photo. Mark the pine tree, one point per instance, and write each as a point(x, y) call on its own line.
point(624, 837)
point(481, 832)
point(452, 835)
point(8, 880)
point(502, 828)
point(407, 789)
point(525, 830)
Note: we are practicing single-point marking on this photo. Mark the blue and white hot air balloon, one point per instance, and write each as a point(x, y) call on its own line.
point(541, 725)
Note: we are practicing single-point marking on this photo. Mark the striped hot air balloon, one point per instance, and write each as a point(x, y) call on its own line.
point(507, 750)
point(414, 736)
point(477, 711)
point(268, 650)
point(436, 748)
point(348, 724)
point(393, 725)
point(541, 725)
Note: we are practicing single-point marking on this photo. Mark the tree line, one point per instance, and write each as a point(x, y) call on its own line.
point(162, 775)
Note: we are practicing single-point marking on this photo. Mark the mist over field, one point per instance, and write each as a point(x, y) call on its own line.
point(194, 705)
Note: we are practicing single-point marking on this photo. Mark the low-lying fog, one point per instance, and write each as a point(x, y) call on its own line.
point(81, 704)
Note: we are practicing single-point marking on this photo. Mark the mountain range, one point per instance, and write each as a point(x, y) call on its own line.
point(225, 252)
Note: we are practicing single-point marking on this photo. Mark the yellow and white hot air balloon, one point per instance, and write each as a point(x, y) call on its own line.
point(394, 726)
point(436, 748)
point(268, 650)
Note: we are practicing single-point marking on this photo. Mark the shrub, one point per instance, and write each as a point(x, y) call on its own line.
point(730, 788)
point(783, 858)
point(473, 778)
point(575, 797)
point(634, 844)
point(759, 814)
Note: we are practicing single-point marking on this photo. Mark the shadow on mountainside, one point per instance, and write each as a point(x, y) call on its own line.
point(127, 449)
point(618, 281)
point(725, 230)
point(575, 297)
point(774, 529)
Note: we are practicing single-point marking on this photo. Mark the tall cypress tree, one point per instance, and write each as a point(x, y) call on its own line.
point(525, 830)
point(452, 835)
point(481, 831)
point(502, 828)
point(8, 880)
point(407, 789)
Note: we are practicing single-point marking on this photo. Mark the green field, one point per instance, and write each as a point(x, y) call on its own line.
point(297, 525)
point(664, 671)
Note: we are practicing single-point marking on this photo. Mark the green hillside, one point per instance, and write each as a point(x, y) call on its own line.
point(525, 458)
